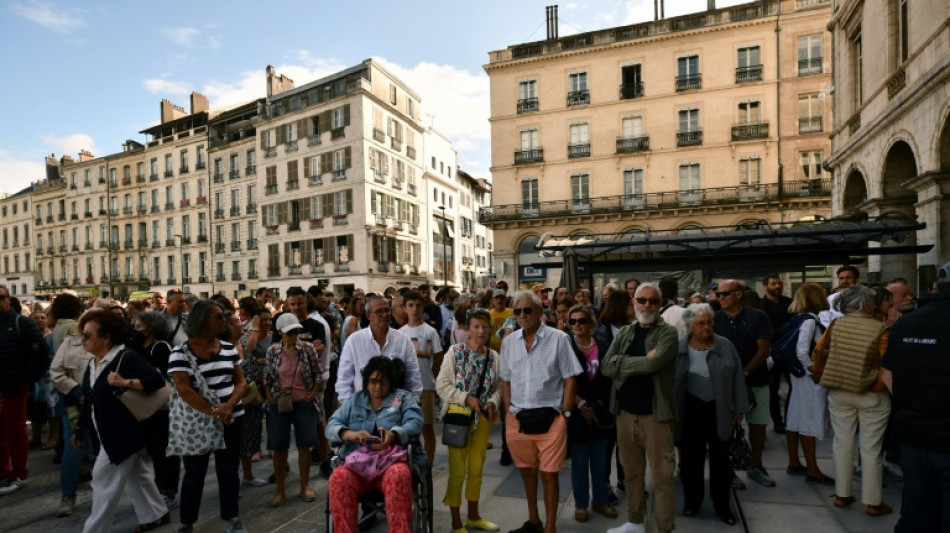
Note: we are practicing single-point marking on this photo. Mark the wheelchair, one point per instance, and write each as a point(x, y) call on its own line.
point(371, 503)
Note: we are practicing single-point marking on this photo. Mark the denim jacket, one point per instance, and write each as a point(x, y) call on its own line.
point(399, 413)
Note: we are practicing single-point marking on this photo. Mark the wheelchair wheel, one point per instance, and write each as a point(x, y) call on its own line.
point(422, 505)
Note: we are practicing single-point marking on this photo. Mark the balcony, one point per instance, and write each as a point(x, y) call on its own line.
point(88, 246)
point(218, 177)
point(339, 220)
point(396, 144)
point(74, 248)
point(127, 210)
point(186, 280)
point(170, 281)
point(294, 270)
point(719, 196)
point(411, 188)
point(143, 243)
point(379, 135)
point(527, 157)
point(273, 272)
point(128, 244)
point(235, 246)
point(127, 180)
point(527, 105)
point(102, 211)
point(156, 208)
point(337, 133)
point(689, 138)
point(629, 91)
point(62, 247)
point(202, 200)
point(129, 278)
point(578, 97)
point(235, 276)
point(290, 146)
point(414, 229)
point(317, 269)
point(397, 183)
point(293, 185)
point(170, 242)
point(315, 180)
point(169, 173)
point(270, 189)
point(140, 178)
point(342, 267)
point(86, 183)
point(200, 165)
point(809, 66)
point(749, 74)
point(270, 151)
point(90, 279)
point(810, 125)
point(234, 174)
point(219, 247)
point(631, 145)
point(142, 209)
point(411, 152)
point(183, 170)
point(272, 230)
point(219, 213)
point(74, 216)
point(745, 132)
point(316, 223)
point(104, 279)
point(250, 170)
point(578, 150)
point(103, 245)
point(314, 140)
point(293, 225)
point(251, 208)
point(219, 277)
point(252, 244)
point(202, 238)
point(39, 221)
point(339, 175)
point(252, 274)
point(156, 244)
point(235, 211)
point(169, 206)
point(382, 267)
point(688, 83)
point(397, 224)
point(153, 177)
point(186, 240)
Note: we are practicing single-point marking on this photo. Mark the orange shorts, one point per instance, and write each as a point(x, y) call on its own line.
point(545, 452)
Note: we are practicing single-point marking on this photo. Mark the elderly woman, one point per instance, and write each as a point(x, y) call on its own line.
point(379, 416)
point(255, 342)
point(293, 370)
point(711, 396)
point(857, 401)
point(149, 331)
point(220, 366)
point(588, 431)
point(458, 383)
point(121, 464)
point(807, 417)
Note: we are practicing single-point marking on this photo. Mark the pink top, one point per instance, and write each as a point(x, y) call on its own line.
point(593, 363)
point(288, 377)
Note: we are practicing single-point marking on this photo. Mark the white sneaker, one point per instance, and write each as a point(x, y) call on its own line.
point(171, 502)
point(235, 526)
point(11, 486)
point(255, 482)
point(628, 527)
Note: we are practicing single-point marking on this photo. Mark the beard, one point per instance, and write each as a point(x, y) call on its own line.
point(645, 317)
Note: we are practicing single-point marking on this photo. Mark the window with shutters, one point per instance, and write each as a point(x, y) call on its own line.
point(316, 208)
point(292, 180)
point(810, 111)
point(338, 117)
point(270, 215)
point(750, 168)
point(270, 186)
point(273, 260)
point(343, 202)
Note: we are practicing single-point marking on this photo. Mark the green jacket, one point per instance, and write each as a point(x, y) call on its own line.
point(618, 367)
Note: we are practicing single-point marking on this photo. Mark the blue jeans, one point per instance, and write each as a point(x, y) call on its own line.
point(72, 460)
point(925, 501)
point(589, 472)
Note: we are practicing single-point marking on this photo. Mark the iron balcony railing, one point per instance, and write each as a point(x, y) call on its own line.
point(631, 90)
point(689, 138)
point(527, 105)
point(750, 73)
point(526, 157)
point(581, 97)
point(811, 65)
point(742, 132)
point(630, 145)
point(735, 195)
point(810, 125)
point(689, 83)
point(578, 150)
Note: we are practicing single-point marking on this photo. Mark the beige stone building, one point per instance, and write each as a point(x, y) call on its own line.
point(718, 118)
point(16, 244)
point(891, 135)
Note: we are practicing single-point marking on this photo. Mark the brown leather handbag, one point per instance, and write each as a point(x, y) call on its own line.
point(819, 355)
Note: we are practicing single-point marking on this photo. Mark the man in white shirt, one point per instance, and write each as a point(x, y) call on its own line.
point(672, 313)
point(847, 276)
point(377, 339)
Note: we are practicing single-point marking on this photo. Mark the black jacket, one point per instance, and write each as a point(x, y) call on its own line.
point(918, 354)
point(121, 434)
point(24, 356)
point(596, 393)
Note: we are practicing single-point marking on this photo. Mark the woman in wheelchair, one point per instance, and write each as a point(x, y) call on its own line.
point(378, 417)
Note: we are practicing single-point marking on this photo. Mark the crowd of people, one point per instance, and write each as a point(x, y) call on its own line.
point(653, 376)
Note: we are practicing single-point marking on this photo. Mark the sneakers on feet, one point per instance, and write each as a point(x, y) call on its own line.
point(11, 485)
point(66, 507)
point(171, 502)
point(628, 527)
point(760, 476)
point(505, 458)
point(235, 526)
point(482, 524)
point(612, 498)
point(254, 482)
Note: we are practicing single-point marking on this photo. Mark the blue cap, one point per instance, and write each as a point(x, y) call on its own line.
point(712, 286)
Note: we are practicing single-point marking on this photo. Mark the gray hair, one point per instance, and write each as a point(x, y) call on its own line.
point(464, 298)
point(526, 295)
point(647, 285)
point(854, 298)
point(694, 310)
point(198, 318)
point(154, 323)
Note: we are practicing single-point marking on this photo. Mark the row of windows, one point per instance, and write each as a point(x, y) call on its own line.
point(13, 208)
point(688, 77)
point(16, 235)
point(79, 272)
point(169, 167)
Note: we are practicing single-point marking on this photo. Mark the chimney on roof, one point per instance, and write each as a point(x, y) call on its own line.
point(277, 84)
point(171, 111)
point(710, 5)
point(199, 103)
point(551, 18)
point(658, 10)
point(66, 160)
point(85, 155)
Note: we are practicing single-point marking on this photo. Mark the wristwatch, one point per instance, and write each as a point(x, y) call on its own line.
point(567, 414)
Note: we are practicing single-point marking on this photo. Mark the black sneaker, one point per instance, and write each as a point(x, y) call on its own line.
point(326, 469)
point(779, 428)
point(505, 458)
point(612, 496)
point(529, 527)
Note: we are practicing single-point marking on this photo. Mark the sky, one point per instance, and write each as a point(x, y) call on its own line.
point(88, 76)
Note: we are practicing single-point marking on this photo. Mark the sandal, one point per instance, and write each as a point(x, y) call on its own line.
point(165, 519)
point(796, 470)
point(728, 519)
point(605, 511)
point(581, 515)
point(879, 510)
point(843, 501)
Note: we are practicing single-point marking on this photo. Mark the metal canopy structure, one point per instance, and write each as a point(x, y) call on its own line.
point(785, 247)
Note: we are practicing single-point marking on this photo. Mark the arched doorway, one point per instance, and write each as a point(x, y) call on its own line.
point(855, 192)
point(900, 165)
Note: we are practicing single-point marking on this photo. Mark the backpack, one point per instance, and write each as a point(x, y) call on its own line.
point(785, 350)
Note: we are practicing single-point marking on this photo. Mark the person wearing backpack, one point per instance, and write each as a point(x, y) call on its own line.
point(808, 417)
point(24, 357)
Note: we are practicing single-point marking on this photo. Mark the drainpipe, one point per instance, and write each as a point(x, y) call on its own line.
point(778, 100)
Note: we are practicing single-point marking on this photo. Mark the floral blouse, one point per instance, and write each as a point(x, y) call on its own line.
point(311, 367)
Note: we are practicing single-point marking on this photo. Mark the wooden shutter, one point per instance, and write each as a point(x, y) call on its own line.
point(327, 204)
point(327, 119)
point(281, 213)
point(346, 114)
point(385, 161)
point(329, 247)
point(306, 252)
point(264, 215)
point(325, 163)
point(305, 209)
point(349, 248)
point(347, 157)
point(263, 139)
point(306, 167)
point(302, 129)
point(288, 255)
point(391, 249)
point(273, 259)
point(282, 134)
point(372, 159)
point(349, 201)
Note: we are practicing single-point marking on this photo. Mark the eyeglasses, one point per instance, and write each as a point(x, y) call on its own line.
point(580, 321)
point(86, 335)
point(723, 294)
point(382, 312)
point(526, 310)
point(651, 301)
point(475, 310)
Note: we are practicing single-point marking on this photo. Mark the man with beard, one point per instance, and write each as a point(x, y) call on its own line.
point(775, 304)
point(847, 276)
point(641, 362)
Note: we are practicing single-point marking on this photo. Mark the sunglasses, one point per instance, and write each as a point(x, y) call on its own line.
point(471, 312)
point(651, 301)
point(526, 310)
point(723, 294)
point(87, 335)
point(580, 321)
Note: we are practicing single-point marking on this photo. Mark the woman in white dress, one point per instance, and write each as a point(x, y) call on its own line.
point(808, 417)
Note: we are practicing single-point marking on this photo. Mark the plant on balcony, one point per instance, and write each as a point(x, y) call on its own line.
point(315, 222)
point(202, 200)
point(185, 202)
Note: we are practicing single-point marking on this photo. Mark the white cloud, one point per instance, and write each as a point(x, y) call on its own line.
point(50, 15)
point(15, 174)
point(70, 144)
point(167, 87)
point(181, 35)
point(252, 84)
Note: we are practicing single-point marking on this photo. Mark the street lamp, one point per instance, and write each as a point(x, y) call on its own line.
point(181, 259)
point(445, 257)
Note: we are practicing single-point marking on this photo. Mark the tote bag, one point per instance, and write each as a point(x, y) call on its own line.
point(191, 432)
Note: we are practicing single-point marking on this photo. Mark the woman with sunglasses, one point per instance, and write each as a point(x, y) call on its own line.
point(458, 383)
point(220, 365)
point(295, 371)
point(589, 429)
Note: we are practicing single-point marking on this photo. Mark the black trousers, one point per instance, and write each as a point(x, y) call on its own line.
point(226, 465)
point(699, 431)
point(775, 406)
point(167, 469)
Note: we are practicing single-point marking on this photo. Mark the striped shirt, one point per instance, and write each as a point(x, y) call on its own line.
point(217, 371)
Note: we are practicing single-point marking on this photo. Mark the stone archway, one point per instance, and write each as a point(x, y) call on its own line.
point(900, 166)
point(943, 148)
point(855, 191)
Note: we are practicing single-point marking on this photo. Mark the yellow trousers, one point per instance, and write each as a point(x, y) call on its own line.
point(467, 463)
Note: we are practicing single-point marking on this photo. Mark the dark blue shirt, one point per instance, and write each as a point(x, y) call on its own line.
point(745, 330)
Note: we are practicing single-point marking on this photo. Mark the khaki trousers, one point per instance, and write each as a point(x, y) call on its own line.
point(640, 438)
point(866, 413)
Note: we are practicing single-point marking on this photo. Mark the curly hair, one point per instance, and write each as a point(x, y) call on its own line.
point(66, 306)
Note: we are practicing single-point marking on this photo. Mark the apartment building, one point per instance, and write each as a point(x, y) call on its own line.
point(475, 240)
point(16, 245)
point(715, 119)
point(891, 135)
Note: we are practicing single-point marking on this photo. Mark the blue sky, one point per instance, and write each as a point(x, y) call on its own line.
point(91, 75)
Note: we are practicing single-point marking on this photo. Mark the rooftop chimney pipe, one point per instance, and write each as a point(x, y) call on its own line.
point(551, 18)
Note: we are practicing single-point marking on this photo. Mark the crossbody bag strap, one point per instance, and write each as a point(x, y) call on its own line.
point(481, 379)
point(211, 397)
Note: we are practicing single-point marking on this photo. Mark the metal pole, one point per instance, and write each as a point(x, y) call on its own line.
point(445, 257)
